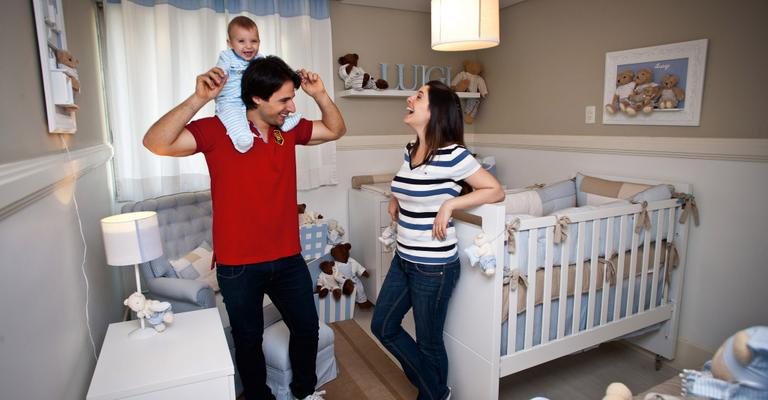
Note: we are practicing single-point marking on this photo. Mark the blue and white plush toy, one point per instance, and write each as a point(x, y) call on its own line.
point(481, 254)
point(739, 369)
point(156, 313)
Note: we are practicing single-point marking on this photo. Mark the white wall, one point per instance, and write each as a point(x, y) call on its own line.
point(726, 272)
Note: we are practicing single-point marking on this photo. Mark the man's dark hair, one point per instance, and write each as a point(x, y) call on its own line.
point(263, 77)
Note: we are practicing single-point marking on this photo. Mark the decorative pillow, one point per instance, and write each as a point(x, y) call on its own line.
point(197, 265)
point(592, 191)
point(654, 193)
point(523, 202)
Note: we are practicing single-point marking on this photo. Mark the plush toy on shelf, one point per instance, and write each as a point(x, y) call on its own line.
point(335, 232)
point(388, 237)
point(326, 282)
point(469, 80)
point(644, 93)
point(738, 370)
point(671, 94)
point(351, 271)
point(307, 217)
point(481, 254)
point(156, 313)
point(355, 77)
point(625, 86)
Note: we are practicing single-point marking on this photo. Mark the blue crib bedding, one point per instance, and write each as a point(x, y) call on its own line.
point(555, 309)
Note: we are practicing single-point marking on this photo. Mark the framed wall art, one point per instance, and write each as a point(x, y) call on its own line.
point(659, 85)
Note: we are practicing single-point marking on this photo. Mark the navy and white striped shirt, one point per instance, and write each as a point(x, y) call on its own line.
point(421, 191)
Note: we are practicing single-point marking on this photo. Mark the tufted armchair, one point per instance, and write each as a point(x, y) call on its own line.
point(185, 222)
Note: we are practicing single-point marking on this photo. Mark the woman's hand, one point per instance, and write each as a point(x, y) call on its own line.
point(393, 207)
point(440, 227)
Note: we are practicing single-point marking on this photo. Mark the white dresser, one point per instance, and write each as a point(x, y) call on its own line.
point(190, 360)
point(368, 217)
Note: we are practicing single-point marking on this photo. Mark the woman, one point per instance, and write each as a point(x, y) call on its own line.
point(426, 267)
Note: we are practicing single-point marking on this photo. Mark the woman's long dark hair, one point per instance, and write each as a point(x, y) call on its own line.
point(446, 123)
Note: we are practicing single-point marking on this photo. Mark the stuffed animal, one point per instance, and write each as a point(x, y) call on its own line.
point(481, 254)
point(670, 94)
point(738, 370)
point(307, 217)
point(650, 96)
point(156, 313)
point(617, 391)
point(351, 271)
point(326, 282)
point(469, 80)
point(625, 86)
point(638, 100)
point(355, 77)
point(335, 232)
point(389, 237)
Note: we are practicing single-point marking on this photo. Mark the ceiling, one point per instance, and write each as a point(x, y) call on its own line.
point(410, 5)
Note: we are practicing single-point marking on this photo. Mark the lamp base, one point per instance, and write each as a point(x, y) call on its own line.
point(142, 333)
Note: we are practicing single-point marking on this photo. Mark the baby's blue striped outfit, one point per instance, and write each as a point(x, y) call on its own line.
point(229, 103)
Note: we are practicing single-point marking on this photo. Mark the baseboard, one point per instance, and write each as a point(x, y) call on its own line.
point(753, 150)
point(24, 182)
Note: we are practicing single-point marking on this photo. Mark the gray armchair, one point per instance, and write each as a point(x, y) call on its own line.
point(185, 222)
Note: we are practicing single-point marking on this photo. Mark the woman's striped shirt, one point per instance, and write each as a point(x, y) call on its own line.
point(421, 191)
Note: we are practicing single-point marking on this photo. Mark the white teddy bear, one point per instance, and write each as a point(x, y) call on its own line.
point(156, 313)
point(389, 237)
point(481, 253)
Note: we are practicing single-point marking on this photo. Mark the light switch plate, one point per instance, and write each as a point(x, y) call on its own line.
point(589, 115)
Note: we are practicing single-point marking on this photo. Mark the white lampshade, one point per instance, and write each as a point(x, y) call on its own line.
point(131, 238)
point(459, 25)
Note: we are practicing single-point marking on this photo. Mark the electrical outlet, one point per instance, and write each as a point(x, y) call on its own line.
point(589, 115)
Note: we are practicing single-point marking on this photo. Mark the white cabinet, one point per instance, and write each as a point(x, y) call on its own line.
point(367, 219)
point(189, 360)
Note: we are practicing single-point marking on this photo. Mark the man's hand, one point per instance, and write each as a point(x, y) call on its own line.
point(208, 85)
point(311, 83)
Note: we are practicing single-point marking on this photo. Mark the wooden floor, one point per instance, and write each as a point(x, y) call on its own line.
point(582, 376)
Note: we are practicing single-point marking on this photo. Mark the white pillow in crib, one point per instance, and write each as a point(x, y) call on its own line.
point(525, 202)
point(592, 191)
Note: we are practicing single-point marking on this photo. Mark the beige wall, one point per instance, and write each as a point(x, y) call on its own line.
point(24, 129)
point(551, 61)
point(380, 35)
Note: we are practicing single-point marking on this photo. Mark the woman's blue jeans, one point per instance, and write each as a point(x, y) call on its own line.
point(289, 285)
point(427, 289)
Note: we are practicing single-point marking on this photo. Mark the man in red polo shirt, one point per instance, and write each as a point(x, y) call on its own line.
point(255, 228)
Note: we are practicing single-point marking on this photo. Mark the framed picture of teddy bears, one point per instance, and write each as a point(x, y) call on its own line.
point(659, 85)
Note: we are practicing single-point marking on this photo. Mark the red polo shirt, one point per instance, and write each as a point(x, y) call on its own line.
point(253, 193)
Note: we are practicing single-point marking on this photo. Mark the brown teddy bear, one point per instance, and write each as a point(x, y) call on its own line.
point(670, 94)
point(469, 80)
point(639, 99)
point(326, 282)
point(625, 86)
point(354, 77)
point(350, 271)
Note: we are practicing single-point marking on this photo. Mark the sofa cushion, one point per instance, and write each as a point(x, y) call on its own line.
point(197, 265)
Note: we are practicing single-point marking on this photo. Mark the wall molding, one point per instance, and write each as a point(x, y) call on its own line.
point(27, 181)
point(752, 150)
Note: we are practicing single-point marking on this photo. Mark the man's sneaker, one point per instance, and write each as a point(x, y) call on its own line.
point(318, 395)
point(449, 394)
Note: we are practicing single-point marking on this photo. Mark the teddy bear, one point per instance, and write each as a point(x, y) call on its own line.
point(639, 98)
point(738, 370)
point(326, 282)
point(670, 93)
point(156, 313)
point(481, 254)
point(307, 217)
point(335, 232)
point(469, 80)
point(388, 237)
point(355, 77)
point(68, 63)
point(625, 86)
point(351, 271)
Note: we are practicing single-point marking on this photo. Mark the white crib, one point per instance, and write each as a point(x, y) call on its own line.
point(640, 296)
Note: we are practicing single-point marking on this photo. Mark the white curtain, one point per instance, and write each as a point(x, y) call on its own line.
point(154, 50)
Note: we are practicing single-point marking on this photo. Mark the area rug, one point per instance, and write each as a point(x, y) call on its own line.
point(365, 371)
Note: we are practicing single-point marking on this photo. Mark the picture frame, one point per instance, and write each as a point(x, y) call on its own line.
point(685, 60)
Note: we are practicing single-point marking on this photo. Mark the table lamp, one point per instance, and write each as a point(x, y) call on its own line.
point(132, 238)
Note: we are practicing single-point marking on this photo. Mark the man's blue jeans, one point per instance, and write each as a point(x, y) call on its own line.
point(426, 289)
point(289, 285)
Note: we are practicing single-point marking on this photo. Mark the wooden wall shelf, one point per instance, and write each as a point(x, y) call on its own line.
point(395, 93)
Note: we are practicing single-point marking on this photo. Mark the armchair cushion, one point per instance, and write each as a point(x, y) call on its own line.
point(197, 265)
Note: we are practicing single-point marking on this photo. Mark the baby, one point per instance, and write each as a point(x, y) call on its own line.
point(243, 42)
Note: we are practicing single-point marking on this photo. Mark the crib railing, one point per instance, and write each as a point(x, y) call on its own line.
point(616, 233)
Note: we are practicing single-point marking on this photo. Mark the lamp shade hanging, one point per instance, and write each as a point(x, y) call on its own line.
point(460, 25)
